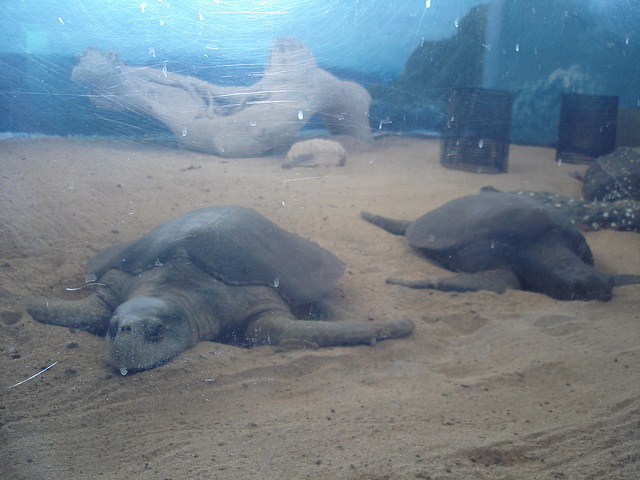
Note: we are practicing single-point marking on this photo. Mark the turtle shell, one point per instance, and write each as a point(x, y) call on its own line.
point(614, 176)
point(235, 245)
point(485, 231)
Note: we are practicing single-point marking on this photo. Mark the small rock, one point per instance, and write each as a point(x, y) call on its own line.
point(316, 153)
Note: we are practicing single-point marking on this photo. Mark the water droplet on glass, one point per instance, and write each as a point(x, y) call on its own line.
point(185, 131)
point(300, 114)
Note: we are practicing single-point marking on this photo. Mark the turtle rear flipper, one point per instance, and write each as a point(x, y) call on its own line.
point(397, 227)
point(625, 279)
point(493, 280)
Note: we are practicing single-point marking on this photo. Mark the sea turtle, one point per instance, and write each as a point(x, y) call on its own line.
point(586, 214)
point(615, 176)
point(219, 273)
point(501, 240)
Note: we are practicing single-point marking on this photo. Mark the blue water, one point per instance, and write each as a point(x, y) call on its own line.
point(535, 49)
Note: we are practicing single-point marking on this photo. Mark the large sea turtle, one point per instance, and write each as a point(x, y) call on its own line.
point(501, 240)
point(586, 214)
point(219, 273)
point(613, 177)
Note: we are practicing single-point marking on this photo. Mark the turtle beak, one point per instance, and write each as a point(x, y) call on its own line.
point(144, 333)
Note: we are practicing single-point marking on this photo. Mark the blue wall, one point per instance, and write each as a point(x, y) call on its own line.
point(534, 48)
point(367, 35)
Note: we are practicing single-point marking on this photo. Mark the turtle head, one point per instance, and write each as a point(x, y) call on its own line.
point(146, 332)
point(577, 281)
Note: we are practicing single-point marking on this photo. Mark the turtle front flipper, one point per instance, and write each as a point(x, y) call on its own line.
point(273, 328)
point(553, 269)
point(625, 279)
point(493, 280)
point(90, 313)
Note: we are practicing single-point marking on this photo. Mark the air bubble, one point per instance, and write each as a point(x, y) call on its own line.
point(123, 371)
point(252, 123)
point(300, 114)
point(480, 143)
point(185, 131)
point(276, 282)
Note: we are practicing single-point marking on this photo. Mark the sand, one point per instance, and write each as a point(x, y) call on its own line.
point(489, 386)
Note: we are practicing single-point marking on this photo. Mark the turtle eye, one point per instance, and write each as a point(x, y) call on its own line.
point(154, 333)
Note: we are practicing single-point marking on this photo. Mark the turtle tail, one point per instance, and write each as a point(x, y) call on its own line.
point(397, 227)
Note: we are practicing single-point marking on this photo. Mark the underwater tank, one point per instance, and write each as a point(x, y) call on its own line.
point(301, 239)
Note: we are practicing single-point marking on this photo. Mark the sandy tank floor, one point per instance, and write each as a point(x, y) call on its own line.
point(488, 386)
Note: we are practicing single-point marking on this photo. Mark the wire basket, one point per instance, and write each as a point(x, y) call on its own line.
point(587, 127)
point(477, 133)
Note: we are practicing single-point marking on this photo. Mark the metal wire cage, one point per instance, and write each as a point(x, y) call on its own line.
point(477, 132)
point(587, 127)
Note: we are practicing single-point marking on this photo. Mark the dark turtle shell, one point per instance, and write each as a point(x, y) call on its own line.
point(234, 244)
point(484, 231)
point(614, 176)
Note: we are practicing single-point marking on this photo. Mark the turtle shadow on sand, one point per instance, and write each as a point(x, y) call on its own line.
point(502, 240)
point(220, 274)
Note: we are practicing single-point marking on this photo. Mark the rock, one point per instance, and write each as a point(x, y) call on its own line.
point(316, 153)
